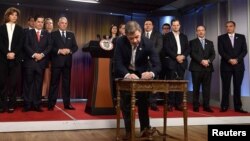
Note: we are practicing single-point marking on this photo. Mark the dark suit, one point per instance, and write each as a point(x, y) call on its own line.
point(9, 69)
point(122, 57)
point(156, 38)
point(61, 65)
point(175, 70)
point(201, 75)
point(34, 70)
point(227, 51)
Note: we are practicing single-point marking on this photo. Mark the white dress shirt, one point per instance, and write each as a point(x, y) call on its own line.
point(10, 30)
point(178, 42)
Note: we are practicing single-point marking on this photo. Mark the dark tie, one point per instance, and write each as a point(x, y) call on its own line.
point(147, 35)
point(63, 36)
point(232, 40)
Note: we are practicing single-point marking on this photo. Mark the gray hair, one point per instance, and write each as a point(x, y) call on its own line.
point(63, 18)
point(131, 27)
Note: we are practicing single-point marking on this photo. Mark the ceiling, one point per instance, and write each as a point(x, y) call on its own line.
point(110, 6)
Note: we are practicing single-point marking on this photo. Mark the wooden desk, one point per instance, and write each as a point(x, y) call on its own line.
point(153, 86)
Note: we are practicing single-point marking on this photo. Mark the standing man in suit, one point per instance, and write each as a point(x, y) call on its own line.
point(176, 49)
point(232, 49)
point(201, 67)
point(11, 40)
point(156, 38)
point(36, 49)
point(63, 47)
point(131, 62)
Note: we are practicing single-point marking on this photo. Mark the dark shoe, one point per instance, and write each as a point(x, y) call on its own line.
point(208, 110)
point(2, 110)
point(240, 111)
point(179, 108)
point(224, 109)
point(11, 110)
point(170, 108)
point(69, 107)
point(126, 136)
point(50, 108)
point(196, 109)
point(154, 107)
point(38, 109)
point(26, 110)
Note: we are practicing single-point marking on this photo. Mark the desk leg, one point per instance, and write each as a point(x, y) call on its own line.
point(165, 117)
point(118, 116)
point(132, 115)
point(185, 116)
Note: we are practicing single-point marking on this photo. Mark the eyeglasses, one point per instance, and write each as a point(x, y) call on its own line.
point(165, 28)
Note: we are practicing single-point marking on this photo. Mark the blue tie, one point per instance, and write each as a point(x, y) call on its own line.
point(203, 43)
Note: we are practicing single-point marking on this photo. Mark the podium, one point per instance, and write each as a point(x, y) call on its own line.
point(100, 101)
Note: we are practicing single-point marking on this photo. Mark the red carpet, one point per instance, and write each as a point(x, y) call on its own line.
point(79, 114)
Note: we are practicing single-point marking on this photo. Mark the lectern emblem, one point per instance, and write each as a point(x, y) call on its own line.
point(106, 44)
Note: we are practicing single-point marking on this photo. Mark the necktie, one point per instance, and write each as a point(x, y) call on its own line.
point(203, 43)
point(147, 35)
point(63, 36)
point(232, 40)
point(132, 62)
point(38, 36)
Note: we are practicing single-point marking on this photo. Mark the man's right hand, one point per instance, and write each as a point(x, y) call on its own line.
point(132, 76)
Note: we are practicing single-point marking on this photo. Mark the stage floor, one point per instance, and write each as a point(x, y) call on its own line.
point(61, 119)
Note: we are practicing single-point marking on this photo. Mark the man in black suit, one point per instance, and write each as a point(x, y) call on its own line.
point(156, 38)
point(63, 47)
point(131, 62)
point(232, 49)
point(11, 40)
point(201, 67)
point(176, 49)
point(36, 49)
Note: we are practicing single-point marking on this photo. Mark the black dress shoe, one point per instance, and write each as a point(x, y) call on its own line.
point(2, 110)
point(224, 109)
point(38, 109)
point(50, 108)
point(179, 108)
point(208, 110)
point(126, 136)
point(11, 110)
point(170, 108)
point(154, 107)
point(69, 107)
point(240, 111)
point(196, 109)
point(25, 109)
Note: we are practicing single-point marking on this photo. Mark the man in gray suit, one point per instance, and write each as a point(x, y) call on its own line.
point(201, 67)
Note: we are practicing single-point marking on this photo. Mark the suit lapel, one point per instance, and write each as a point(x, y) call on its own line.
point(173, 39)
point(60, 36)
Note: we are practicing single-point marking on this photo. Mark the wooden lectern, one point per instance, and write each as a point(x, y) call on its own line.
point(100, 101)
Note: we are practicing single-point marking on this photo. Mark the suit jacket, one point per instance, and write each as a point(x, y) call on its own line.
point(170, 50)
point(123, 53)
point(16, 45)
point(32, 46)
point(156, 38)
point(198, 53)
point(57, 43)
point(227, 51)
